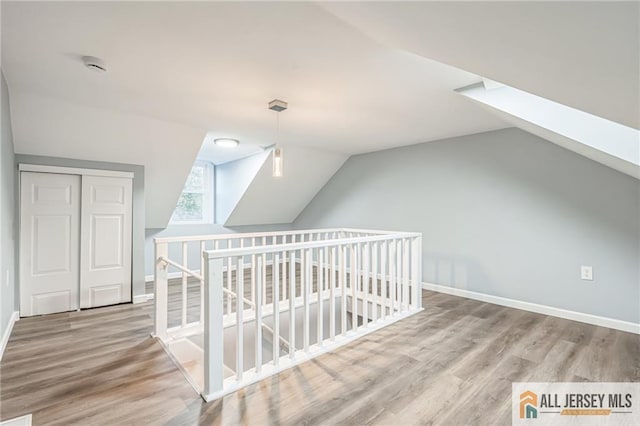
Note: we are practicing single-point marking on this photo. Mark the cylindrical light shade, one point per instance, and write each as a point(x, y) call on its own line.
point(277, 163)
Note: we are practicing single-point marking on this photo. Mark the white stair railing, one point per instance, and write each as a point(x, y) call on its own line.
point(172, 248)
point(305, 291)
point(361, 280)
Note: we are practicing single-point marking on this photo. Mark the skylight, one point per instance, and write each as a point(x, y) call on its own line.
point(602, 140)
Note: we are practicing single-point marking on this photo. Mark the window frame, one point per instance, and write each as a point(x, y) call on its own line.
point(208, 207)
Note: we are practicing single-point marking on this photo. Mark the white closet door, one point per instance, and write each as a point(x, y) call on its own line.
point(49, 243)
point(105, 270)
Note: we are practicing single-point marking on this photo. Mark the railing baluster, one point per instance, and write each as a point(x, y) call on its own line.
point(325, 268)
point(264, 274)
point(275, 273)
point(240, 318)
point(398, 275)
point(284, 275)
point(416, 274)
point(292, 301)
point(229, 270)
point(332, 300)
point(374, 282)
point(384, 290)
point(365, 285)
point(319, 307)
point(306, 288)
point(405, 274)
point(203, 246)
point(264, 279)
point(257, 264)
point(355, 264)
point(253, 279)
point(161, 297)
point(392, 276)
point(343, 289)
point(185, 251)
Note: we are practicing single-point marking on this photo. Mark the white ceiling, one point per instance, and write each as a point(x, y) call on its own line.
point(585, 55)
point(216, 65)
point(597, 138)
point(217, 155)
point(358, 77)
point(55, 128)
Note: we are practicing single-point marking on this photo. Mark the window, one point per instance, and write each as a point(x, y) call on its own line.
point(195, 204)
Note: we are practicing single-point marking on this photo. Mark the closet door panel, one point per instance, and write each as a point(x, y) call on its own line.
point(49, 243)
point(105, 273)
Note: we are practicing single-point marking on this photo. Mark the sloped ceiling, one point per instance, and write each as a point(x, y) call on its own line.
point(359, 77)
point(56, 128)
point(212, 67)
point(602, 140)
point(270, 200)
point(581, 54)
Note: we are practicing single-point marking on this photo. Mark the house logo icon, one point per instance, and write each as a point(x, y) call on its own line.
point(528, 405)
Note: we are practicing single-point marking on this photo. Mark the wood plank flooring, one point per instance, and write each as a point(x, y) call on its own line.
point(452, 364)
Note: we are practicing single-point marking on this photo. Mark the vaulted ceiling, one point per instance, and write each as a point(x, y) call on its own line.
point(358, 77)
point(581, 54)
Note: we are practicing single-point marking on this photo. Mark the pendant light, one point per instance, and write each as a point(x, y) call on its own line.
point(278, 160)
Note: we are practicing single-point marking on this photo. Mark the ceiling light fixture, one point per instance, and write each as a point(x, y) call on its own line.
point(278, 161)
point(226, 142)
point(94, 64)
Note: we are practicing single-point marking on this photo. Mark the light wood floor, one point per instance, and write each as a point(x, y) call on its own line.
point(452, 364)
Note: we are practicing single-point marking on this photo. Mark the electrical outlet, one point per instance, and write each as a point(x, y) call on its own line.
point(586, 273)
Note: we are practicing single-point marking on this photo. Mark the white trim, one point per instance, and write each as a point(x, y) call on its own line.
point(15, 316)
point(141, 298)
point(18, 421)
point(208, 196)
point(179, 365)
point(627, 326)
point(23, 167)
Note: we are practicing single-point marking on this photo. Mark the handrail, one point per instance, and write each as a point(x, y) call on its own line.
point(244, 251)
point(214, 237)
point(229, 292)
point(199, 277)
point(282, 339)
point(179, 266)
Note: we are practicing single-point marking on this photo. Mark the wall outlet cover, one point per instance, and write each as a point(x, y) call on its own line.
point(586, 273)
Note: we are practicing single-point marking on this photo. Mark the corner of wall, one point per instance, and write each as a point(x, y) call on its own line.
point(8, 219)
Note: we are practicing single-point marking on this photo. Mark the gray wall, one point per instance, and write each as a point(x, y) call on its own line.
point(193, 254)
point(503, 213)
point(137, 267)
point(8, 222)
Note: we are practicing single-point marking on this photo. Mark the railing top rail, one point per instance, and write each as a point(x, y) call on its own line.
point(217, 254)
point(235, 236)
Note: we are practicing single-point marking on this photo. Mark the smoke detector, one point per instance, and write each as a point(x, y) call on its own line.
point(94, 64)
point(277, 105)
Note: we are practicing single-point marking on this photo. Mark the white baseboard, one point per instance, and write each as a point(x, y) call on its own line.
point(141, 298)
point(540, 309)
point(7, 332)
